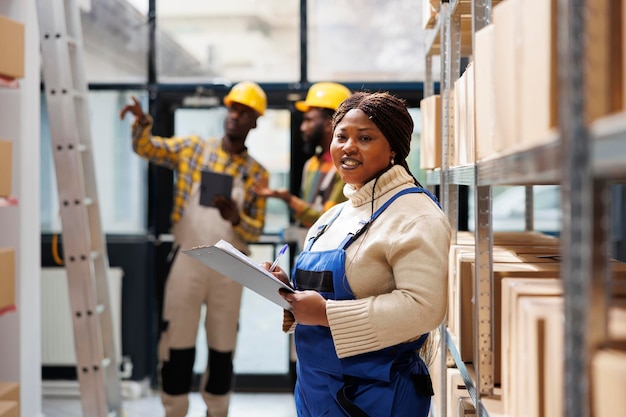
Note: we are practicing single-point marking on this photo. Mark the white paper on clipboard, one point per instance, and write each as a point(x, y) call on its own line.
point(227, 260)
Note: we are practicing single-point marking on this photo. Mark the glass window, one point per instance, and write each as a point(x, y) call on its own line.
point(237, 40)
point(115, 38)
point(120, 174)
point(372, 40)
point(509, 204)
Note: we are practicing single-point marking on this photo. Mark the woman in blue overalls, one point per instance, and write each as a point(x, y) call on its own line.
point(371, 283)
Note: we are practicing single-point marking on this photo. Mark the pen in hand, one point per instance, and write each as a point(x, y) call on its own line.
point(280, 254)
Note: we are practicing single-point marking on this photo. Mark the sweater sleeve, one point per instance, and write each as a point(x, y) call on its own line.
point(417, 258)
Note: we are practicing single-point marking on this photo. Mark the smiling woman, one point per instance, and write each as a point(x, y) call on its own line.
point(371, 280)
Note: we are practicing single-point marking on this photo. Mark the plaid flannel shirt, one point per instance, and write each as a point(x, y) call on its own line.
point(184, 155)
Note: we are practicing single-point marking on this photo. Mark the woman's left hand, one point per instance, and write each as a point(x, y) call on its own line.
point(308, 307)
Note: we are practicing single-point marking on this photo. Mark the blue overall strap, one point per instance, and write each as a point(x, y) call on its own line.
point(351, 237)
point(322, 228)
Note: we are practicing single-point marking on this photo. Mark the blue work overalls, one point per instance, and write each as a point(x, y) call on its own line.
point(390, 382)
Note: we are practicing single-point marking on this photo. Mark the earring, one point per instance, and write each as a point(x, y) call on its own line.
point(392, 160)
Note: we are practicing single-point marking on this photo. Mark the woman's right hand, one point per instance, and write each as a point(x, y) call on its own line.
point(278, 273)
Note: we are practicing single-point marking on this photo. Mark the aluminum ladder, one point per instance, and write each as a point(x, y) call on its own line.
point(84, 245)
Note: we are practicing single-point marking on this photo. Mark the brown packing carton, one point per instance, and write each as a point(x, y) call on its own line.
point(533, 345)
point(6, 167)
point(9, 409)
point(507, 74)
point(516, 266)
point(539, 83)
point(617, 320)
point(484, 62)
point(10, 397)
point(608, 382)
point(430, 141)
point(466, 407)
point(459, 122)
point(429, 15)
point(12, 47)
point(553, 370)
point(457, 391)
point(7, 279)
point(9, 391)
point(603, 59)
point(454, 316)
point(469, 151)
point(523, 238)
point(512, 290)
point(454, 383)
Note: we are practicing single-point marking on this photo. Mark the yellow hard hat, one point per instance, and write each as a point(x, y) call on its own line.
point(249, 94)
point(325, 94)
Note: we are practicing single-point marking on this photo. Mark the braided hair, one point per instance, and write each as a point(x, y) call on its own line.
point(391, 117)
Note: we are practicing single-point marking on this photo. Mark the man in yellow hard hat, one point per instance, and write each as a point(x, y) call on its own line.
point(321, 186)
point(202, 217)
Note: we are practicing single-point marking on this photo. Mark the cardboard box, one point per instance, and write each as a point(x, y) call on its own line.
point(608, 382)
point(516, 267)
point(7, 279)
point(9, 391)
point(554, 371)
point(484, 58)
point(512, 290)
point(454, 383)
point(6, 167)
point(468, 153)
point(539, 82)
point(9, 409)
point(12, 47)
point(521, 238)
point(460, 111)
point(603, 59)
point(507, 52)
point(9, 399)
point(430, 141)
point(456, 391)
point(456, 318)
point(533, 345)
point(429, 15)
point(465, 407)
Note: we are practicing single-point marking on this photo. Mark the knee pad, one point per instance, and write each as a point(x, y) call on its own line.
point(177, 372)
point(220, 372)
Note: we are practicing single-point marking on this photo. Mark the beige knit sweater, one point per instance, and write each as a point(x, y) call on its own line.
point(397, 270)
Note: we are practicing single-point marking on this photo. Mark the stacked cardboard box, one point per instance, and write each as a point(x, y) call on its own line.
point(12, 47)
point(608, 375)
point(9, 399)
point(430, 141)
point(7, 280)
point(6, 167)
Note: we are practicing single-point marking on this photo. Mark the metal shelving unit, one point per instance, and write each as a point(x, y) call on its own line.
point(584, 160)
